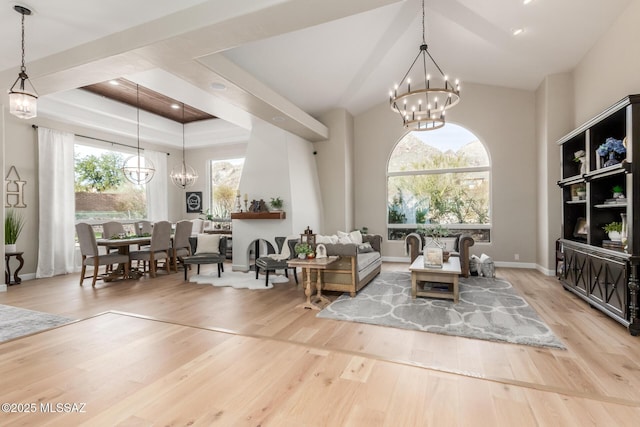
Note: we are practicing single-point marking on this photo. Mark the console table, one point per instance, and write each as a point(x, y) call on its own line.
point(7, 274)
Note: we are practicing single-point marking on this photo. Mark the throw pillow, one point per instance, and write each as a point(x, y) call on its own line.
point(364, 248)
point(208, 244)
point(344, 237)
point(356, 237)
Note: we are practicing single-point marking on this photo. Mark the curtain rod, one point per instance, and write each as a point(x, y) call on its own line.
point(108, 142)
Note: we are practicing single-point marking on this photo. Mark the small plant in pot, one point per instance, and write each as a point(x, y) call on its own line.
point(618, 192)
point(303, 250)
point(13, 225)
point(613, 230)
point(276, 203)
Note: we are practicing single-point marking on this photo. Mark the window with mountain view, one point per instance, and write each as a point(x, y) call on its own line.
point(439, 177)
point(225, 180)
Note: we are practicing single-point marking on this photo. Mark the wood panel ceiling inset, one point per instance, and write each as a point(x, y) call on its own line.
point(150, 101)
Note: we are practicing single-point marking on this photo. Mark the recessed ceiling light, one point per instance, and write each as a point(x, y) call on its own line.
point(218, 86)
point(517, 31)
point(113, 82)
point(526, 1)
point(175, 106)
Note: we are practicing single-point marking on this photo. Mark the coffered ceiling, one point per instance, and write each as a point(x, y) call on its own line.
point(289, 61)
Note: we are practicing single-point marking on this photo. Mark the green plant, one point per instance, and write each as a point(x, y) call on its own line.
point(436, 232)
point(276, 203)
point(617, 189)
point(613, 226)
point(13, 224)
point(207, 215)
point(303, 248)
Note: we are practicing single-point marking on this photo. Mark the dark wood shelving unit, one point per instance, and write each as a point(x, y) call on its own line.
point(606, 278)
point(259, 215)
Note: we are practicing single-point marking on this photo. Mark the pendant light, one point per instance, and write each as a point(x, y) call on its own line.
point(23, 96)
point(183, 176)
point(137, 169)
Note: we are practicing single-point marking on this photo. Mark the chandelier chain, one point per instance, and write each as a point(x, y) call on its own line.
point(23, 68)
point(424, 28)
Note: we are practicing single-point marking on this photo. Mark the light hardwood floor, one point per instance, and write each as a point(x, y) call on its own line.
point(198, 354)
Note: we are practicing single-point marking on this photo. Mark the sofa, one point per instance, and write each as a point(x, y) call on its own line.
point(414, 243)
point(356, 267)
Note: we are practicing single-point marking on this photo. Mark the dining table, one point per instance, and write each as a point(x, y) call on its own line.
point(123, 244)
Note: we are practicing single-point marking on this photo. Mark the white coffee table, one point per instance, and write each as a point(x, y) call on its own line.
point(432, 277)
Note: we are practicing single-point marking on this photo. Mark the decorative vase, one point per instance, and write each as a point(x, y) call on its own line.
point(623, 233)
point(302, 256)
point(612, 159)
point(614, 236)
point(10, 248)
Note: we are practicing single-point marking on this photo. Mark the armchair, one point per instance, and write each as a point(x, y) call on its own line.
point(414, 243)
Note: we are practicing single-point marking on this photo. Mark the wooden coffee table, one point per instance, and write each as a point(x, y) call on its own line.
point(447, 275)
point(319, 264)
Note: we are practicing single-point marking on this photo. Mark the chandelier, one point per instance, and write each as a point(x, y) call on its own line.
point(423, 108)
point(22, 100)
point(183, 176)
point(137, 169)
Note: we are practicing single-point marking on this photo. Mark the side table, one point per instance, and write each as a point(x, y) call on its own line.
point(7, 273)
point(319, 264)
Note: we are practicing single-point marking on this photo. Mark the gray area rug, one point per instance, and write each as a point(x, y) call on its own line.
point(16, 322)
point(489, 309)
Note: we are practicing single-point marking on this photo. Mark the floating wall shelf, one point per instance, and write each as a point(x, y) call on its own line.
point(259, 215)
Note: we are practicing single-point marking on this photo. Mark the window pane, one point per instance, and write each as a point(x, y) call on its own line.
point(447, 148)
point(447, 198)
point(225, 180)
point(101, 191)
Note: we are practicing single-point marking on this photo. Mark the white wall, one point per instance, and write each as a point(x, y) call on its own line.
point(335, 167)
point(504, 120)
point(554, 119)
point(609, 71)
point(277, 164)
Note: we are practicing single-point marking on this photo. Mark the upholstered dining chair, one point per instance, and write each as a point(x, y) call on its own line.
point(181, 246)
point(198, 226)
point(111, 229)
point(143, 228)
point(160, 248)
point(90, 255)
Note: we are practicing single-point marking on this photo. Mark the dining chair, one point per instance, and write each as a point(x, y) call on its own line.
point(143, 228)
point(198, 226)
point(109, 230)
point(160, 248)
point(90, 255)
point(181, 246)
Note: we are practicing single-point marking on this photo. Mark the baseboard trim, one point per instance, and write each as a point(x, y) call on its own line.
point(506, 264)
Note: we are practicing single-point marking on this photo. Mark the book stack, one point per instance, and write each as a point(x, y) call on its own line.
point(615, 201)
point(615, 245)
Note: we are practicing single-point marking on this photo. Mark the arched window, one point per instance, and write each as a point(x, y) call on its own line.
point(439, 177)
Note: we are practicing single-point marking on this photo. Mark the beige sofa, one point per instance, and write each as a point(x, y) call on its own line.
point(355, 269)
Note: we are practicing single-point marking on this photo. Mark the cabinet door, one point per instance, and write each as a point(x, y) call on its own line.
point(608, 284)
point(576, 269)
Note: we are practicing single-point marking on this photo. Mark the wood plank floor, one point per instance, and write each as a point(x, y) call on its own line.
point(205, 355)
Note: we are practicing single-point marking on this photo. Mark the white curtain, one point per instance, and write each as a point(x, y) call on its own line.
point(56, 246)
point(157, 201)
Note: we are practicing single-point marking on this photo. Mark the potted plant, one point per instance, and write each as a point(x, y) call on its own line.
point(303, 250)
point(277, 203)
point(618, 192)
point(613, 230)
point(13, 224)
point(581, 191)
